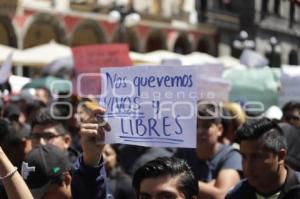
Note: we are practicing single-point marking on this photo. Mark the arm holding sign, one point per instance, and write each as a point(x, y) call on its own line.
point(89, 178)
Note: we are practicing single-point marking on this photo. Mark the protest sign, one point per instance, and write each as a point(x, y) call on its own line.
point(211, 86)
point(290, 81)
point(213, 89)
point(88, 60)
point(150, 107)
point(171, 62)
point(209, 70)
point(5, 69)
point(253, 59)
point(253, 87)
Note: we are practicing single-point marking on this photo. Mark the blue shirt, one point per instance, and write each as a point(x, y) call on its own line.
point(89, 182)
point(206, 170)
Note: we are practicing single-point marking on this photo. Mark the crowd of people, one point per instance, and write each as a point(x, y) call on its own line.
point(44, 155)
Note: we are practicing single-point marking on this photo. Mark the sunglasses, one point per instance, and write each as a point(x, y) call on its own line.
point(44, 135)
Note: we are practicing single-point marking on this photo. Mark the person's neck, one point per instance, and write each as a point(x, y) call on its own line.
point(276, 184)
point(206, 152)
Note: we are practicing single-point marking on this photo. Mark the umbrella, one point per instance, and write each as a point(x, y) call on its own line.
point(54, 84)
point(42, 55)
point(6, 50)
point(231, 62)
point(156, 57)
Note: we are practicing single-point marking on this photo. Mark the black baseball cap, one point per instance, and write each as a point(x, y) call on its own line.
point(43, 165)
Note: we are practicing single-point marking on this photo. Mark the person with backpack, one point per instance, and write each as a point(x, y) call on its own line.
point(217, 166)
point(264, 149)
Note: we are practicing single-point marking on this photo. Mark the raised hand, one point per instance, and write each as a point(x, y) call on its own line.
point(92, 130)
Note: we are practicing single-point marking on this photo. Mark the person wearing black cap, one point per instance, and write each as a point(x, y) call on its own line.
point(46, 170)
point(88, 178)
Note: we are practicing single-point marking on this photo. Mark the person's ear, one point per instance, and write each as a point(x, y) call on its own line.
point(26, 145)
point(67, 141)
point(67, 178)
point(220, 129)
point(282, 155)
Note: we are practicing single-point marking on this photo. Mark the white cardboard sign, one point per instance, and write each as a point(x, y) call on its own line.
point(151, 106)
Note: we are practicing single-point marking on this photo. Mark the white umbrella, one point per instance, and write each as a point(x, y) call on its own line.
point(163, 54)
point(42, 55)
point(156, 57)
point(6, 50)
point(199, 58)
point(140, 58)
point(231, 62)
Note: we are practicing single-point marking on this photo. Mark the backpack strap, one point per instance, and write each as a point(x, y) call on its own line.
point(225, 155)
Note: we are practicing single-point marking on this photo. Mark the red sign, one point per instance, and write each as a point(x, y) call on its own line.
point(89, 59)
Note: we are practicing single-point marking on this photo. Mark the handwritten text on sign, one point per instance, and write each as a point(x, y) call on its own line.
point(151, 106)
point(290, 80)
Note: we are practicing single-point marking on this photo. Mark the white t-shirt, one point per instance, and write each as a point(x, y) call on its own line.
point(274, 196)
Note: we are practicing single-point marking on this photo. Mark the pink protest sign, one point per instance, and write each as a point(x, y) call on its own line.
point(89, 59)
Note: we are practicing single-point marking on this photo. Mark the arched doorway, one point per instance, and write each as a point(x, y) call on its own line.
point(293, 57)
point(183, 44)
point(88, 32)
point(42, 29)
point(204, 45)
point(7, 32)
point(157, 40)
point(129, 36)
